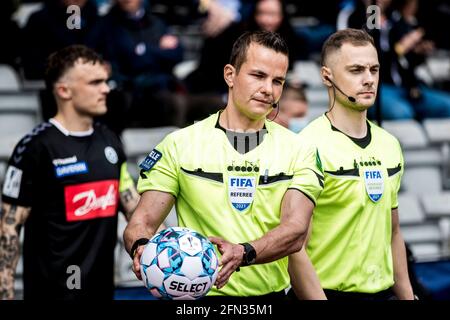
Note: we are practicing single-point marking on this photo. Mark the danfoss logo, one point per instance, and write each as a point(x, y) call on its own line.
point(91, 200)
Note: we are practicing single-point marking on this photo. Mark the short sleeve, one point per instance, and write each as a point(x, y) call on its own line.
point(126, 181)
point(396, 179)
point(22, 166)
point(308, 176)
point(159, 170)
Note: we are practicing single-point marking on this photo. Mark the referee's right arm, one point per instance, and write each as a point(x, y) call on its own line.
point(152, 209)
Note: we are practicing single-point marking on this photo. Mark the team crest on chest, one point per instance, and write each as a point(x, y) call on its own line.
point(241, 191)
point(373, 179)
point(111, 155)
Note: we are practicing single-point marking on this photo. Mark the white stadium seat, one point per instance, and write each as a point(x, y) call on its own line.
point(438, 130)
point(19, 102)
point(9, 80)
point(410, 211)
point(425, 251)
point(138, 142)
point(409, 132)
point(425, 233)
point(422, 180)
point(307, 72)
point(17, 123)
point(423, 157)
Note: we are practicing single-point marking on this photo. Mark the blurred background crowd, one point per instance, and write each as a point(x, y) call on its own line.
point(166, 58)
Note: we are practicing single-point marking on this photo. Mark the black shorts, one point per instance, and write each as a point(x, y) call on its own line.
point(334, 295)
point(270, 297)
point(384, 295)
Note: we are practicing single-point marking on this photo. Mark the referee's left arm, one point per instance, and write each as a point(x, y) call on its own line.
point(288, 237)
point(402, 285)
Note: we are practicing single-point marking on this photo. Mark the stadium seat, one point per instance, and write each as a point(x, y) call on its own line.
point(307, 72)
point(438, 65)
point(138, 142)
point(410, 211)
point(438, 130)
point(425, 233)
point(409, 132)
point(19, 102)
point(17, 123)
point(9, 80)
point(184, 68)
point(423, 157)
point(191, 38)
point(437, 205)
point(422, 180)
point(425, 251)
point(33, 85)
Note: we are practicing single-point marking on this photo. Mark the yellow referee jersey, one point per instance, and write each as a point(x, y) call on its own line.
point(350, 243)
point(221, 192)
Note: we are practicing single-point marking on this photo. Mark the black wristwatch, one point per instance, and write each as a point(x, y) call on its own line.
point(249, 256)
point(136, 244)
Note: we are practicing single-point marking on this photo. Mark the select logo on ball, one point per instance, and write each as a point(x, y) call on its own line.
point(179, 264)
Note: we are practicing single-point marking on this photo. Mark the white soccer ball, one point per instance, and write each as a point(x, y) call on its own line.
point(179, 264)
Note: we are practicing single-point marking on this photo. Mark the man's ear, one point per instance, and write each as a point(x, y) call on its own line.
point(325, 73)
point(228, 74)
point(62, 91)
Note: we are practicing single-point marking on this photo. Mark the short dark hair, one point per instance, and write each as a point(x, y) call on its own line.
point(356, 37)
point(62, 60)
point(271, 40)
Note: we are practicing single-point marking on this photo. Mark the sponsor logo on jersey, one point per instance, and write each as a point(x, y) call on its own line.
point(64, 161)
point(241, 191)
point(91, 200)
point(71, 169)
point(153, 157)
point(13, 179)
point(374, 182)
point(111, 155)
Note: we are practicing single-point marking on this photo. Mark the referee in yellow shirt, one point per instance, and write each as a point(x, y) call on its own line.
point(354, 240)
point(238, 178)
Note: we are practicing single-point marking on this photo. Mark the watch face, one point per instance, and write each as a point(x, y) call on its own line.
point(251, 257)
point(250, 254)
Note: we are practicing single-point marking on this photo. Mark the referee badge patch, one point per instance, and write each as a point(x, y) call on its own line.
point(241, 191)
point(374, 182)
point(153, 157)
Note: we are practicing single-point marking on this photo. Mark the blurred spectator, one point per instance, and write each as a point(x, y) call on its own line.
point(406, 97)
point(268, 15)
point(9, 33)
point(402, 46)
point(142, 54)
point(435, 18)
point(220, 14)
point(207, 90)
point(317, 22)
point(216, 15)
point(49, 29)
point(292, 112)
